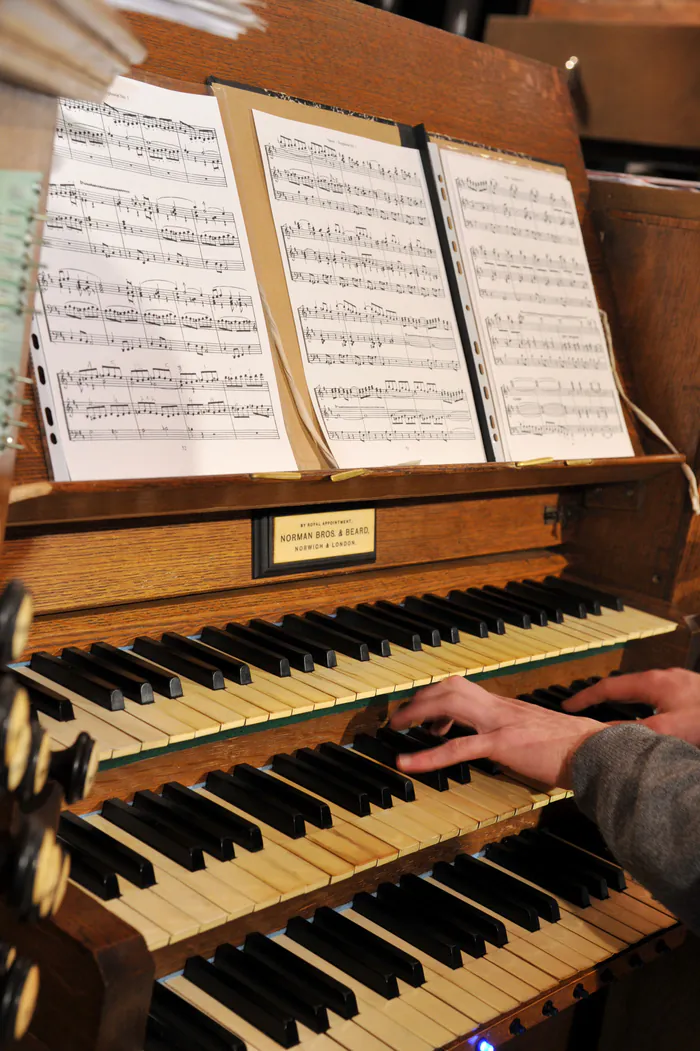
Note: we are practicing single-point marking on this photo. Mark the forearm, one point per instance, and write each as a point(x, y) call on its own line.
point(643, 791)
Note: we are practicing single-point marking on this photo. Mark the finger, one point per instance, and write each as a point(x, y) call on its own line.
point(625, 689)
point(463, 702)
point(461, 749)
point(440, 727)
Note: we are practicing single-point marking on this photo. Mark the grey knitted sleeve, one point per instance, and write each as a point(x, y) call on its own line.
point(643, 791)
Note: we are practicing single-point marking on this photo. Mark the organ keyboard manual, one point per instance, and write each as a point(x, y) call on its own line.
point(437, 316)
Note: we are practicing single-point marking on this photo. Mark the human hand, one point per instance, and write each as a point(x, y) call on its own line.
point(532, 741)
point(670, 690)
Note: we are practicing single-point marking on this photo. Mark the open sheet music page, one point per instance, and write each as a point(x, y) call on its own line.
point(378, 335)
point(153, 356)
point(551, 382)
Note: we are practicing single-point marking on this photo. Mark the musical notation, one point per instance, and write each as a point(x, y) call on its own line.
point(391, 341)
point(127, 140)
point(161, 404)
point(543, 350)
point(548, 407)
point(410, 410)
point(369, 296)
point(103, 225)
point(565, 341)
point(324, 155)
point(149, 323)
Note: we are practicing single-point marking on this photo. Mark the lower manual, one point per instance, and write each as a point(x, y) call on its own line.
point(420, 962)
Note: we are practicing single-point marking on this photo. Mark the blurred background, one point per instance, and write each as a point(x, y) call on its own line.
point(633, 68)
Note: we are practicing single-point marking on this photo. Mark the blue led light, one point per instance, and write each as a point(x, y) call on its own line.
point(484, 1045)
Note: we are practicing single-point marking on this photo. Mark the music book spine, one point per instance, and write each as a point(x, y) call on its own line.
point(459, 289)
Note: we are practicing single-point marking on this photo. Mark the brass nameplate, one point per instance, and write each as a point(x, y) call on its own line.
point(313, 540)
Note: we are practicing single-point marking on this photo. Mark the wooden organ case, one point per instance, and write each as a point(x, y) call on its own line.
point(111, 561)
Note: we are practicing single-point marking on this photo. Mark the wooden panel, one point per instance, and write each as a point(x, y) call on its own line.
point(647, 12)
point(95, 962)
point(70, 502)
point(203, 556)
point(641, 83)
point(651, 241)
point(119, 624)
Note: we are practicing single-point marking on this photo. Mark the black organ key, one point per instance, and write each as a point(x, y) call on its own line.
point(451, 614)
point(163, 682)
point(407, 926)
point(371, 630)
point(458, 772)
point(192, 667)
point(372, 972)
point(575, 828)
point(140, 825)
point(429, 633)
point(535, 611)
point(561, 692)
point(297, 769)
point(613, 875)
point(377, 793)
point(308, 631)
point(517, 911)
point(242, 648)
point(93, 687)
point(403, 965)
point(555, 585)
point(400, 787)
point(478, 610)
point(198, 828)
point(375, 641)
point(543, 699)
point(312, 809)
point(568, 603)
point(434, 901)
point(387, 754)
point(155, 1038)
point(507, 611)
point(320, 654)
point(451, 932)
point(538, 599)
point(298, 658)
point(264, 982)
point(91, 872)
point(43, 699)
point(397, 633)
point(286, 819)
point(256, 1010)
point(483, 875)
point(573, 868)
point(122, 859)
point(184, 1027)
point(402, 743)
point(131, 685)
point(439, 619)
point(589, 594)
point(231, 668)
point(532, 868)
point(290, 967)
point(244, 833)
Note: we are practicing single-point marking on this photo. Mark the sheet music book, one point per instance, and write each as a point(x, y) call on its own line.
point(376, 327)
point(522, 273)
point(150, 343)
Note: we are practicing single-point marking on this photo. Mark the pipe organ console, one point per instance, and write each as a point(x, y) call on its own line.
point(249, 869)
